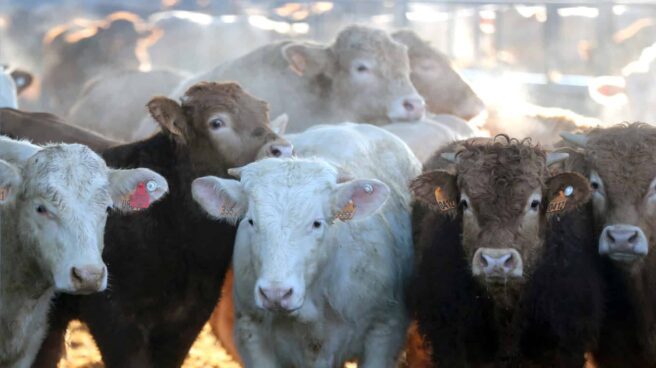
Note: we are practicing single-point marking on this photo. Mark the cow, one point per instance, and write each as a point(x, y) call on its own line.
point(363, 76)
point(441, 86)
point(621, 165)
point(323, 252)
point(506, 274)
point(42, 127)
point(169, 262)
point(431, 133)
point(55, 202)
point(74, 54)
point(95, 109)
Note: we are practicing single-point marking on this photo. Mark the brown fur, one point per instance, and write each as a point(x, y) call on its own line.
point(625, 160)
point(435, 79)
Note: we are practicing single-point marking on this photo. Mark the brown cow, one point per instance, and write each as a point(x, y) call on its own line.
point(42, 128)
point(505, 276)
point(432, 74)
point(621, 164)
point(73, 55)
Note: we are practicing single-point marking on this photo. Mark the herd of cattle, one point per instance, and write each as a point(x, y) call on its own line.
point(385, 227)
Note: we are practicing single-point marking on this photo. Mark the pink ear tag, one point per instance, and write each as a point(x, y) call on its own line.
point(139, 199)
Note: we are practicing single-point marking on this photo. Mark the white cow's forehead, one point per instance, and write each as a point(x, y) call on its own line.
point(61, 169)
point(288, 187)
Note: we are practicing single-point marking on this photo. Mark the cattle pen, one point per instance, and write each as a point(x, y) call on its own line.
point(357, 183)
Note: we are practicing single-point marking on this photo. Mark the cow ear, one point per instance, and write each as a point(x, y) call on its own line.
point(168, 114)
point(16, 151)
point(306, 59)
point(357, 199)
point(566, 191)
point(279, 124)
point(22, 79)
point(136, 189)
point(10, 180)
point(220, 198)
point(436, 189)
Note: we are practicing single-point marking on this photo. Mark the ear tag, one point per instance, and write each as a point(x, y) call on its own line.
point(558, 204)
point(443, 203)
point(4, 192)
point(140, 199)
point(569, 190)
point(347, 212)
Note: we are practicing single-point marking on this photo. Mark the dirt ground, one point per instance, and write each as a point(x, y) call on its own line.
point(81, 351)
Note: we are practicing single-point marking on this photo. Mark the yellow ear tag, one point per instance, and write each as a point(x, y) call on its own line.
point(443, 203)
point(347, 212)
point(557, 204)
point(4, 191)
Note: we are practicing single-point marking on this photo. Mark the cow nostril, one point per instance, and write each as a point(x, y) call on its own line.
point(610, 237)
point(510, 262)
point(262, 293)
point(633, 237)
point(482, 261)
point(276, 152)
point(409, 106)
point(288, 294)
point(76, 275)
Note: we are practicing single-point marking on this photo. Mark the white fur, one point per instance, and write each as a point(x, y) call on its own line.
point(40, 249)
point(8, 96)
point(348, 277)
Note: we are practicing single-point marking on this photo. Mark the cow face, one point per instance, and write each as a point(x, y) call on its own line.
point(431, 72)
point(365, 71)
point(503, 194)
point(621, 165)
point(220, 119)
point(61, 205)
point(288, 207)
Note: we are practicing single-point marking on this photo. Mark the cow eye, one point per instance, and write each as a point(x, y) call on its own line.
point(464, 204)
point(217, 123)
point(362, 68)
point(109, 208)
point(317, 224)
point(535, 204)
point(594, 185)
point(250, 222)
point(41, 210)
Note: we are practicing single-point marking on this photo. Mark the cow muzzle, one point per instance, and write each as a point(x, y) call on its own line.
point(407, 108)
point(88, 279)
point(278, 297)
point(623, 243)
point(497, 264)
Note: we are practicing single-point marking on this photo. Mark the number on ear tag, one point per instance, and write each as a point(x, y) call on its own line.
point(347, 212)
point(557, 204)
point(443, 203)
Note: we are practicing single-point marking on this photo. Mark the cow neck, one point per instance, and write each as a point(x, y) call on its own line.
point(20, 272)
point(640, 283)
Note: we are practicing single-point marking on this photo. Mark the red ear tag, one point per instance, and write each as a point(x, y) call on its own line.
point(139, 199)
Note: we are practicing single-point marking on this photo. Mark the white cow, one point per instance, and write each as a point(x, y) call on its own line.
point(323, 254)
point(55, 203)
point(8, 95)
point(426, 136)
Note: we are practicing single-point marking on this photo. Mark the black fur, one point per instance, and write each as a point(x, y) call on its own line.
point(556, 321)
point(166, 267)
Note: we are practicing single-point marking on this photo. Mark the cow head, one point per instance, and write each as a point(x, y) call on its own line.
point(504, 194)
point(220, 118)
point(288, 207)
point(621, 164)
point(365, 71)
point(60, 197)
point(431, 72)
